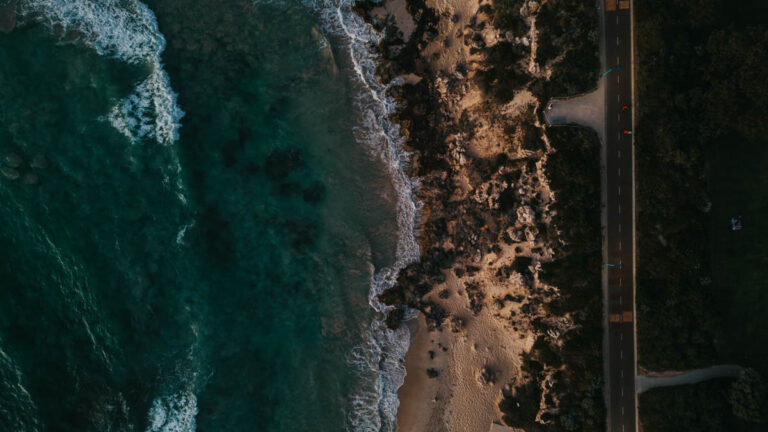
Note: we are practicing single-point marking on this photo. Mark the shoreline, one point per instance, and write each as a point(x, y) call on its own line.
point(491, 327)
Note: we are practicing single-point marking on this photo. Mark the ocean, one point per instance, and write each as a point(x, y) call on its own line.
point(199, 203)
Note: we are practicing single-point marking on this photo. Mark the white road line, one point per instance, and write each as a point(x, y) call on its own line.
point(619, 244)
point(618, 79)
point(622, 410)
point(619, 207)
point(621, 299)
point(617, 60)
point(621, 336)
point(620, 282)
point(617, 41)
point(617, 19)
point(619, 191)
point(619, 171)
point(622, 375)
point(619, 228)
point(622, 389)
point(619, 154)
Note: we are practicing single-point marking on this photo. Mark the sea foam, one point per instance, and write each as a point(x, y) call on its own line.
point(175, 413)
point(380, 360)
point(126, 30)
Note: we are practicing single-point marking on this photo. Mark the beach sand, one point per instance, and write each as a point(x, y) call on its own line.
point(459, 370)
point(474, 364)
point(477, 355)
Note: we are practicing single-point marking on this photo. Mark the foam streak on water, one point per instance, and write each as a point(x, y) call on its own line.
point(126, 30)
point(173, 413)
point(381, 359)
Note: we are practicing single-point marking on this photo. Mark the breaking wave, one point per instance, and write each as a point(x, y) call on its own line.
point(382, 356)
point(126, 30)
point(175, 413)
point(380, 360)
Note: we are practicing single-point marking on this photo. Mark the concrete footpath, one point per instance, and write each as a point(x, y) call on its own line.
point(586, 110)
point(647, 382)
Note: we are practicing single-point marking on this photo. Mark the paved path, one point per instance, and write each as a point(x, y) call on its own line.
point(586, 110)
point(647, 382)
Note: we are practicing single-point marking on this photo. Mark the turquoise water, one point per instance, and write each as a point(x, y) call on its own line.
point(199, 201)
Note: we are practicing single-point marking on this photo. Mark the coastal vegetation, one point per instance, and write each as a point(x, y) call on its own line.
point(701, 152)
point(695, 407)
point(567, 37)
point(563, 368)
point(565, 29)
point(575, 360)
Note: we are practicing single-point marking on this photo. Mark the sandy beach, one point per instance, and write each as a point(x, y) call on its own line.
point(458, 369)
point(488, 218)
point(473, 361)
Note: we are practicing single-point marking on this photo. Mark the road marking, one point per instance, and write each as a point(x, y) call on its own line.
point(619, 228)
point(619, 154)
point(622, 375)
point(622, 410)
point(622, 389)
point(617, 19)
point(621, 337)
point(617, 59)
point(619, 206)
point(618, 79)
point(619, 191)
point(621, 299)
point(620, 283)
point(619, 171)
point(617, 41)
point(619, 244)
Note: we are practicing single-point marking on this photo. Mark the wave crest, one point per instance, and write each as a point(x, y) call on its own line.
point(175, 413)
point(381, 358)
point(126, 30)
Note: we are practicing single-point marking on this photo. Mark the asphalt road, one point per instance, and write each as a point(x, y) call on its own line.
point(620, 230)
